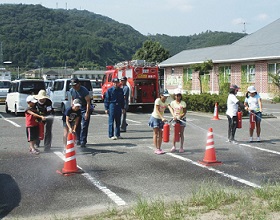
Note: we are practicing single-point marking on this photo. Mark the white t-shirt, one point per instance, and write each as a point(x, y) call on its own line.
point(178, 107)
point(253, 102)
point(232, 106)
point(162, 107)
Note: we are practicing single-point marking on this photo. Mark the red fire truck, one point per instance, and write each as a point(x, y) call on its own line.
point(142, 80)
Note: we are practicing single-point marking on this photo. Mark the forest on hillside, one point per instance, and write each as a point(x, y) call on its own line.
point(33, 36)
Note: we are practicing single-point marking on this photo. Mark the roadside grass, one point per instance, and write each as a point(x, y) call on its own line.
point(208, 202)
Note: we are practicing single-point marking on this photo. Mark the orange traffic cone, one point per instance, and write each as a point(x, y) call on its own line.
point(70, 164)
point(210, 153)
point(216, 112)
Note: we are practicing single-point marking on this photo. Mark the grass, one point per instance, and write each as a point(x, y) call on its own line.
point(208, 202)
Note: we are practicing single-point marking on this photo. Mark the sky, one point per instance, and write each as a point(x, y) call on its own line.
point(176, 17)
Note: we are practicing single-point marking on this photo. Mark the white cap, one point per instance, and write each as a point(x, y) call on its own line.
point(252, 89)
point(30, 98)
point(76, 102)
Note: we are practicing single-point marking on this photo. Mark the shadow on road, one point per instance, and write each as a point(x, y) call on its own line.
point(10, 195)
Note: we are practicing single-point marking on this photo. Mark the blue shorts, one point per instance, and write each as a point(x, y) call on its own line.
point(156, 123)
point(258, 116)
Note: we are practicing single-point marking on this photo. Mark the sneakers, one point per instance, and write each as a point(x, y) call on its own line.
point(159, 151)
point(83, 145)
point(251, 139)
point(181, 150)
point(173, 149)
point(258, 139)
point(116, 138)
point(34, 151)
point(234, 142)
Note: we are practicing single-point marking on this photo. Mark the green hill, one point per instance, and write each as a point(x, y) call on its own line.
point(34, 36)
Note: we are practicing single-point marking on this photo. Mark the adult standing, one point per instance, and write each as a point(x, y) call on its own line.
point(44, 107)
point(178, 111)
point(253, 103)
point(114, 107)
point(80, 92)
point(126, 96)
point(232, 108)
point(157, 120)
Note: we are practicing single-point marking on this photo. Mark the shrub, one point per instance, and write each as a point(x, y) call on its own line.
point(205, 102)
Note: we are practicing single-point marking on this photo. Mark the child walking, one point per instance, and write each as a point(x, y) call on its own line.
point(31, 122)
point(71, 118)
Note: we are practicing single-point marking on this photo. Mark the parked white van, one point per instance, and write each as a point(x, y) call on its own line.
point(60, 93)
point(96, 90)
point(4, 88)
point(18, 92)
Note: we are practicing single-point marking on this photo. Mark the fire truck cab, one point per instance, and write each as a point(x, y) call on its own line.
point(142, 80)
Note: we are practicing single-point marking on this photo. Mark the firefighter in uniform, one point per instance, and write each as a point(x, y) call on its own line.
point(114, 107)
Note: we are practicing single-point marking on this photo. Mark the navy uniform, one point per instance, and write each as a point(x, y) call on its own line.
point(114, 104)
point(126, 102)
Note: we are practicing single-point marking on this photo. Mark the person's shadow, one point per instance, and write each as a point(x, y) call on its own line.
point(10, 195)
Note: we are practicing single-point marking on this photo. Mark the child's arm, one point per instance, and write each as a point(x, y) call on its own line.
point(68, 124)
point(76, 123)
point(36, 115)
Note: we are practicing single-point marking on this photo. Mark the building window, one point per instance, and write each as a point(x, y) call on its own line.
point(273, 69)
point(225, 74)
point(187, 74)
point(249, 73)
point(206, 77)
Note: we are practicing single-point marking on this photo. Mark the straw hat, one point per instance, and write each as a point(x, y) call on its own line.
point(41, 95)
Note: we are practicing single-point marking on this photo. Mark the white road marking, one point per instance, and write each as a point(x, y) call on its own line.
point(138, 122)
point(102, 115)
point(259, 148)
point(13, 123)
point(113, 196)
point(248, 183)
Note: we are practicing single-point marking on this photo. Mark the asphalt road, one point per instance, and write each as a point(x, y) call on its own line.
point(118, 172)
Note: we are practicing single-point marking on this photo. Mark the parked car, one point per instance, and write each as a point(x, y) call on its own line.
point(96, 90)
point(18, 92)
point(60, 93)
point(4, 88)
point(48, 85)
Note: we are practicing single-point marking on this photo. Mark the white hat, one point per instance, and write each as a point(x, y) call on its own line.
point(76, 102)
point(41, 95)
point(30, 98)
point(252, 89)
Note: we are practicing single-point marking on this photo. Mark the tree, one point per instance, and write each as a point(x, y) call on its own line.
point(202, 69)
point(275, 79)
point(151, 51)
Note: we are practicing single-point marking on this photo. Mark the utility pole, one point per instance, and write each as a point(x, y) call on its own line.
point(244, 27)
